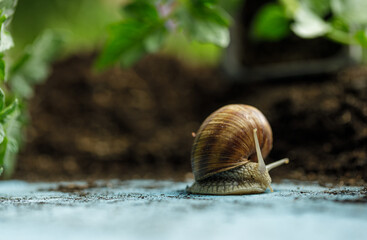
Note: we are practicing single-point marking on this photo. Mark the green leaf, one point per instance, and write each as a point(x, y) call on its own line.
point(154, 41)
point(271, 23)
point(13, 135)
point(9, 110)
point(141, 10)
point(2, 19)
point(205, 22)
point(7, 10)
point(319, 7)
point(361, 38)
point(126, 39)
point(339, 24)
point(290, 6)
point(10, 146)
point(132, 55)
point(7, 114)
point(340, 32)
point(351, 11)
point(204, 3)
point(3, 146)
point(34, 66)
point(2, 133)
point(2, 68)
point(211, 14)
point(2, 99)
point(210, 32)
point(6, 40)
point(8, 6)
point(309, 25)
point(230, 6)
point(21, 86)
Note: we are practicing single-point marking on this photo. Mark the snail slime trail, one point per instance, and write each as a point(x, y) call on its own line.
point(228, 151)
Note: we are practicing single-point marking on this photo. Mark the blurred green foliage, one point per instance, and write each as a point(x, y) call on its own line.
point(344, 21)
point(191, 52)
point(33, 66)
point(146, 25)
point(84, 27)
point(19, 75)
point(9, 110)
point(81, 22)
point(139, 33)
point(231, 6)
point(271, 23)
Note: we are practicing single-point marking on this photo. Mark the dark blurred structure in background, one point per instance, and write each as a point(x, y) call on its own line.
point(250, 59)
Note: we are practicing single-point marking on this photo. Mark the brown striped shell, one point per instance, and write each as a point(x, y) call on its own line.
point(225, 140)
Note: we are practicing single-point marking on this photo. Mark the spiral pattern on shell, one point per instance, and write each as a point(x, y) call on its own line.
point(225, 140)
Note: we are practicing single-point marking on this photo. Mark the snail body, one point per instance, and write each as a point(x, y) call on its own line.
point(227, 154)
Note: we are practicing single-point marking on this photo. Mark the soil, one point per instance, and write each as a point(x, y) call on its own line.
point(138, 122)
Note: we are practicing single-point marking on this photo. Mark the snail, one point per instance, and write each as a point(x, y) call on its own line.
point(227, 154)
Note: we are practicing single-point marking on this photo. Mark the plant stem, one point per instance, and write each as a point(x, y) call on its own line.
point(364, 55)
point(340, 37)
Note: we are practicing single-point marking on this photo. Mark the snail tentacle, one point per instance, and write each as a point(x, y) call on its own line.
point(262, 166)
point(277, 164)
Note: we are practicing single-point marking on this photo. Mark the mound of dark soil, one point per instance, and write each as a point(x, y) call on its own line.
point(138, 122)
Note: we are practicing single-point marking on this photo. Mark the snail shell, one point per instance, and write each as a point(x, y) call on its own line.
point(225, 140)
point(225, 143)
